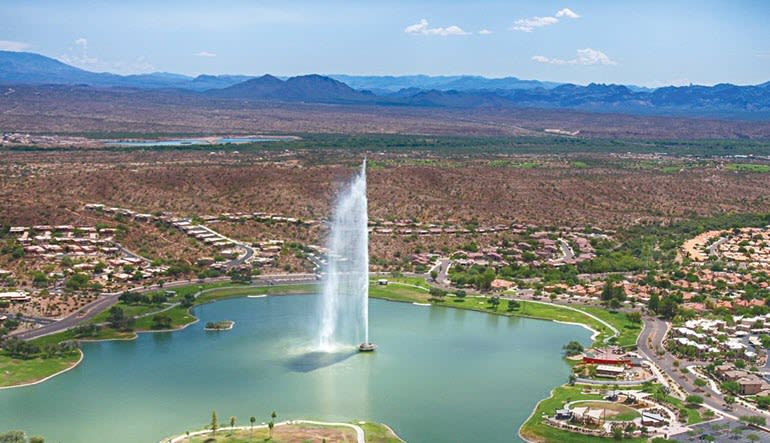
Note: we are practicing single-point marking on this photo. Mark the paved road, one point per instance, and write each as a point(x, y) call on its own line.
point(85, 313)
point(714, 248)
point(106, 301)
point(238, 260)
point(131, 254)
point(442, 266)
point(566, 251)
point(38, 320)
point(651, 339)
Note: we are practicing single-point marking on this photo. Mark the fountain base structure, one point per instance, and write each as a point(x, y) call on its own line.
point(367, 347)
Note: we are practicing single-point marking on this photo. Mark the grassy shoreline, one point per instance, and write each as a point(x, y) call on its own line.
point(405, 290)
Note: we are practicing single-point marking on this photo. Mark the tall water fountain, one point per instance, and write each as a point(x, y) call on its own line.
point(344, 302)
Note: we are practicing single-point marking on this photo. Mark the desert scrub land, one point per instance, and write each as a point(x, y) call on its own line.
point(605, 190)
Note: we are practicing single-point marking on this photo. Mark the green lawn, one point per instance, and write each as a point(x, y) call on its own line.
point(128, 310)
point(748, 167)
point(15, 371)
point(415, 281)
point(693, 415)
point(377, 433)
point(629, 331)
point(535, 430)
point(229, 292)
point(541, 311)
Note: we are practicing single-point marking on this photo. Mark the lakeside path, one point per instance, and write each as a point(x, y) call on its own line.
point(360, 436)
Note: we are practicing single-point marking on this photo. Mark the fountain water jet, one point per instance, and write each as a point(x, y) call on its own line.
point(344, 301)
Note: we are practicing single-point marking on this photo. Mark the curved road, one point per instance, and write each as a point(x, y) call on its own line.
point(106, 301)
point(651, 338)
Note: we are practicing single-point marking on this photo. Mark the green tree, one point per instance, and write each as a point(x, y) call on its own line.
point(161, 321)
point(654, 303)
point(668, 308)
point(433, 275)
point(694, 400)
point(214, 423)
point(18, 348)
point(753, 420)
point(634, 317)
point(78, 281)
point(572, 348)
point(232, 421)
point(252, 420)
point(271, 424)
point(13, 437)
point(437, 294)
point(731, 386)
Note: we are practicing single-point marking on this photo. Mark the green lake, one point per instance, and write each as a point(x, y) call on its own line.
point(439, 375)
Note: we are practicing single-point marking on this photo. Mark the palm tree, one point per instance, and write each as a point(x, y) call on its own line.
point(271, 424)
point(214, 424)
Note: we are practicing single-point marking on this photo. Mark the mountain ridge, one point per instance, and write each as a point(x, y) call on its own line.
point(722, 100)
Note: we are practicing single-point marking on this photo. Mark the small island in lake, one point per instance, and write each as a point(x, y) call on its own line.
point(222, 325)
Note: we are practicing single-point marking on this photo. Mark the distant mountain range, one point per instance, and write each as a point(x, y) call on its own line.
point(719, 101)
point(29, 68)
point(308, 88)
point(389, 84)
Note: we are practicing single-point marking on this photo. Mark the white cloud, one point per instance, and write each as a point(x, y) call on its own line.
point(205, 54)
point(80, 56)
point(585, 57)
point(532, 23)
point(422, 28)
point(485, 31)
point(588, 56)
point(542, 59)
point(8, 45)
point(567, 12)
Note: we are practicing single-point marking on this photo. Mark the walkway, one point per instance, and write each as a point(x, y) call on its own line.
point(615, 332)
point(360, 436)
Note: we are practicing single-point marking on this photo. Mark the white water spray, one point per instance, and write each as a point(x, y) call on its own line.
point(344, 302)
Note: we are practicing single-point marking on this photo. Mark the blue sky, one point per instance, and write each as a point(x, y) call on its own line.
point(644, 42)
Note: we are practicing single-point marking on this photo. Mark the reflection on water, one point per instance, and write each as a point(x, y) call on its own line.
point(310, 361)
point(437, 315)
point(162, 337)
point(268, 362)
point(493, 320)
